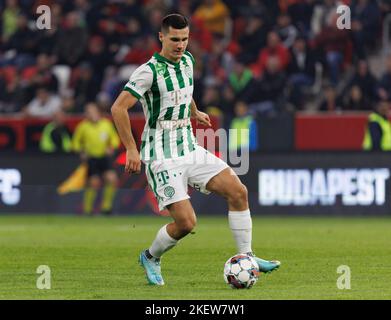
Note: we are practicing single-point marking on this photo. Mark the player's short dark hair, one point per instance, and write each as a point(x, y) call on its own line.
point(174, 20)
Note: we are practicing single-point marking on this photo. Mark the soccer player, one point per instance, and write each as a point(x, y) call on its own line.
point(164, 85)
point(95, 139)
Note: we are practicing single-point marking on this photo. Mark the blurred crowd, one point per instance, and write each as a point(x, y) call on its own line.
point(257, 56)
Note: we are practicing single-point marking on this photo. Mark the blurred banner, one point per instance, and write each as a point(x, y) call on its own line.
point(29, 183)
point(313, 183)
point(298, 131)
point(20, 134)
point(354, 183)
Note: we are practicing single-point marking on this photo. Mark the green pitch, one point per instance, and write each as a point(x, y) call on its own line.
point(96, 258)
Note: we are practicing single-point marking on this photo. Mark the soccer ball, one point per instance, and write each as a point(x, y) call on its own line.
point(241, 271)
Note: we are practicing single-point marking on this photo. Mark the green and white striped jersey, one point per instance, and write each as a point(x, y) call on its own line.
point(165, 90)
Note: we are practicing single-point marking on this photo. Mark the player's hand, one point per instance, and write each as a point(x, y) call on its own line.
point(203, 118)
point(133, 161)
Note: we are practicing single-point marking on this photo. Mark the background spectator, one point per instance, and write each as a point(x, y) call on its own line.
point(286, 30)
point(70, 44)
point(330, 101)
point(239, 139)
point(384, 86)
point(10, 19)
point(266, 96)
point(42, 75)
point(334, 43)
point(378, 132)
point(365, 26)
point(86, 86)
point(92, 47)
point(241, 78)
point(253, 37)
point(301, 13)
point(211, 101)
point(274, 49)
point(97, 57)
point(364, 79)
point(22, 43)
point(356, 100)
point(322, 12)
point(301, 71)
point(215, 16)
point(45, 104)
point(56, 137)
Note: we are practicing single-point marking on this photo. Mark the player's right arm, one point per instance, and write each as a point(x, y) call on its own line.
point(119, 111)
point(139, 83)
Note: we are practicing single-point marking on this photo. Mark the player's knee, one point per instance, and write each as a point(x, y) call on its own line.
point(239, 194)
point(94, 182)
point(111, 178)
point(187, 226)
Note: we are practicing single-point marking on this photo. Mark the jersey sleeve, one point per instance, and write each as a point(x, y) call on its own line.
point(140, 81)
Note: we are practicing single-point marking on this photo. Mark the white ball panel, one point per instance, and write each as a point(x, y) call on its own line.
point(243, 276)
point(235, 268)
point(246, 264)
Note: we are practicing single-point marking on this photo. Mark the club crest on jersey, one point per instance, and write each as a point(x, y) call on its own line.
point(161, 68)
point(169, 192)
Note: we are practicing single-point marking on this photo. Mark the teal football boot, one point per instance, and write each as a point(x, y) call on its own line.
point(152, 269)
point(265, 265)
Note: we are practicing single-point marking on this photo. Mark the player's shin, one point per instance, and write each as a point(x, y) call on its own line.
point(241, 225)
point(162, 243)
point(108, 197)
point(89, 199)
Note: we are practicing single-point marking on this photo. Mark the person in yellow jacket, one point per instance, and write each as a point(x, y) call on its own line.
point(96, 139)
point(243, 130)
point(214, 14)
point(55, 135)
point(378, 132)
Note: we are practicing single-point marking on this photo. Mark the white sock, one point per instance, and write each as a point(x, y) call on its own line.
point(241, 225)
point(162, 243)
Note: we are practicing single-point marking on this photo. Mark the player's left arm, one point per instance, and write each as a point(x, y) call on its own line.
point(201, 117)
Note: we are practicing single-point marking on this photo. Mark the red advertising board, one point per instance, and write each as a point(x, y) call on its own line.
point(330, 131)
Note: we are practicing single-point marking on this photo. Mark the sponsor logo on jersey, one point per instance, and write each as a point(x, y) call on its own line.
point(174, 124)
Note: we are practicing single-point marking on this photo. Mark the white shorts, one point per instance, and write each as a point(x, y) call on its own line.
point(169, 178)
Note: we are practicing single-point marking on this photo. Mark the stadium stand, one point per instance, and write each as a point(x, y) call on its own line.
point(91, 49)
